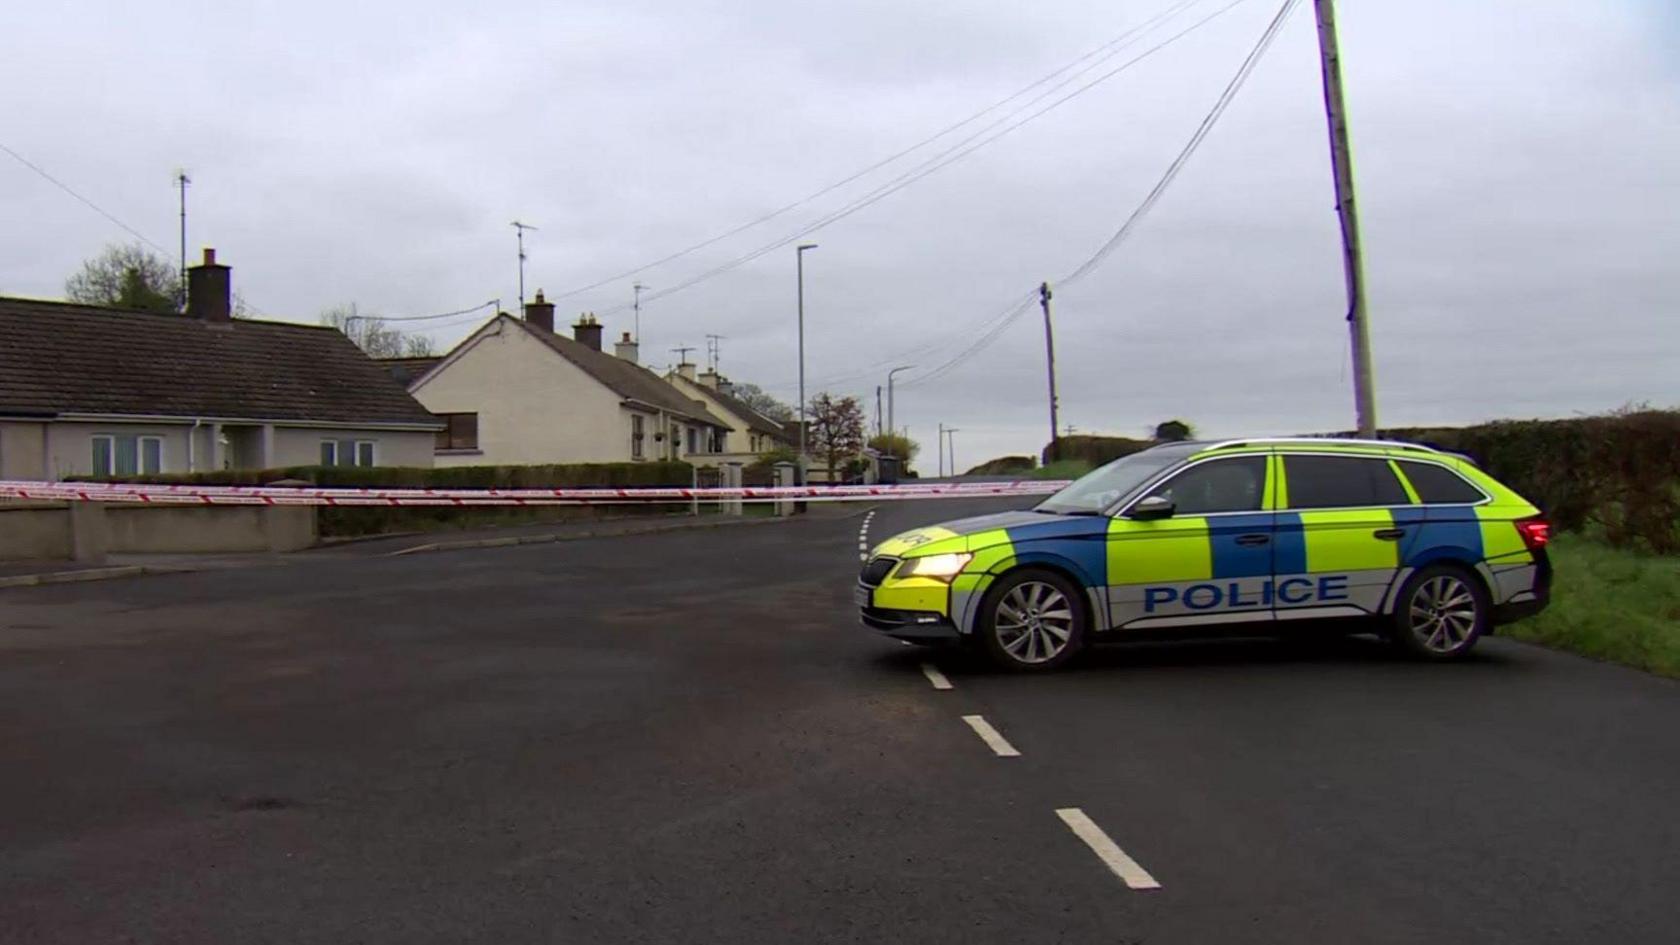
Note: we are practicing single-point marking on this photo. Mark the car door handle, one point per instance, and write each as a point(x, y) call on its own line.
point(1253, 539)
point(1389, 534)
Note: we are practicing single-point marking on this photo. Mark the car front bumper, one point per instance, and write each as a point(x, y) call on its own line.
point(920, 626)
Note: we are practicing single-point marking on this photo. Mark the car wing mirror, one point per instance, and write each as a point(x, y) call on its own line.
point(1151, 508)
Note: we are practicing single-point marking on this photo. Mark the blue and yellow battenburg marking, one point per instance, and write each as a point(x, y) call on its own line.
point(1193, 568)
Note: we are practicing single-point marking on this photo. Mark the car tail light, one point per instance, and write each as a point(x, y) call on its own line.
point(1535, 532)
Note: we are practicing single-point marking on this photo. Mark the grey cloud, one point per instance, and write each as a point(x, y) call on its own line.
point(1516, 178)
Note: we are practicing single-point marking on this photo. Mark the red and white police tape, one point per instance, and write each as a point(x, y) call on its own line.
point(311, 495)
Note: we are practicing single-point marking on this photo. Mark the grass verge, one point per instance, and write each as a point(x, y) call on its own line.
point(1610, 604)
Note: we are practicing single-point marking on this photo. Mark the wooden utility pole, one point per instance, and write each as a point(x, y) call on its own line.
point(1050, 362)
point(1353, 264)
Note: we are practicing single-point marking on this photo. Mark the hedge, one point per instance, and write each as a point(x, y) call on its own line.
point(1095, 450)
point(1617, 476)
point(1003, 466)
point(373, 520)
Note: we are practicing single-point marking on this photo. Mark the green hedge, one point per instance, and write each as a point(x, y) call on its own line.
point(1003, 466)
point(1095, 450)
point(374, 520)
point(1617, 476)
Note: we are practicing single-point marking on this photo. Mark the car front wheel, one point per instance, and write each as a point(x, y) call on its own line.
point(1033, 621)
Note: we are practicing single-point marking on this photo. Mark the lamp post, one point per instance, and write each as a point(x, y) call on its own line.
point(890, 428)
point(799, 255)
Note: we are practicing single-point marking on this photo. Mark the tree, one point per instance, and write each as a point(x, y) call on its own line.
point(895, 444)
point(754, 396)
point(1172, 431)
point(129, 277)
point(371, 334)
point(836, 429)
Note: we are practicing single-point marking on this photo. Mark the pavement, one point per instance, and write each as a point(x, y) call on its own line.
point(685, 736)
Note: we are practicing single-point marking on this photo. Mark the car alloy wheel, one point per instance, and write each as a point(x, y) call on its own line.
point(1034, 622)
point(1443, 614)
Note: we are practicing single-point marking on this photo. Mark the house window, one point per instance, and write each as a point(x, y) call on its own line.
point(717, 445)
point(460, 432)
point(693, 440)
point(347, 453)
point(115, 455)
point(636, 434)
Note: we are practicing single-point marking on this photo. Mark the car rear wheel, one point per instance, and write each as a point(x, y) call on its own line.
point(1033, 621)
point(1440, 613)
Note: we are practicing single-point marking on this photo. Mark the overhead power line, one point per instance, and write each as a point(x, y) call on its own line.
point(441, 315)
point(938, 162)
point(1105, 51)
point(1148, 203)
point(96, 208)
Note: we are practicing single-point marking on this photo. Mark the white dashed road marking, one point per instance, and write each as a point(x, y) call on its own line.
point(935, 676)
point(991, 736)
point(1110, 853)
point(863, 536)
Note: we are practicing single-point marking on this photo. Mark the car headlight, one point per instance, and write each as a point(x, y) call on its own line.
point(939, 567)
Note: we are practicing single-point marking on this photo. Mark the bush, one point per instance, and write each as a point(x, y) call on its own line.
point(1094, 450)
point(1617, 476)
point(1003, 466)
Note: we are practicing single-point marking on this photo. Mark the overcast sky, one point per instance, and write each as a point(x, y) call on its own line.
point(1518, 164)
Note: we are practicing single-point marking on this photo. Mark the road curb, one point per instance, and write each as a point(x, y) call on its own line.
point(512, 540)
point(82, 574)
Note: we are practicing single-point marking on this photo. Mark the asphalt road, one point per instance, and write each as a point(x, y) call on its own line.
point(686, 737)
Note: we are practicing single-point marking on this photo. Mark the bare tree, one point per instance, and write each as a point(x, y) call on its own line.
point(130, 277)
point(374, 336)
point(836, 431)
point(754, 396)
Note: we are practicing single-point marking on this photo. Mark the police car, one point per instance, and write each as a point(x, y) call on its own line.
point(1422, 545)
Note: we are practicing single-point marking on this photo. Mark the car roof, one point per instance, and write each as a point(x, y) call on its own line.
point(1326, 443)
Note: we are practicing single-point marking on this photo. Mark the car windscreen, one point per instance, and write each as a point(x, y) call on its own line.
point(1102, 487)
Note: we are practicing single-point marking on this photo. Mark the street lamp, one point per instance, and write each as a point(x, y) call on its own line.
point(890, 428)
point(799, 255)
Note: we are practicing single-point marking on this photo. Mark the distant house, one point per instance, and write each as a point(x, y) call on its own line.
point(514, 392)
point(752, 434)
point(91, 390)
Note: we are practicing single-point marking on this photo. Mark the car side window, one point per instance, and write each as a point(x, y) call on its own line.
point(1223, 485)
point(1340, 482)
point(1439, 485)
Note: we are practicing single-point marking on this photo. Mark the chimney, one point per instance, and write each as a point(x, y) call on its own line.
point(628, 349)
point(588, 330)
point(210, 290)
point(725, 386)
point(710, 379)
point(540, 314)
point(686, 371)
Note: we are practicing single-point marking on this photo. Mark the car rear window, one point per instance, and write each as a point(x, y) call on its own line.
point(1339, 482)
point(1438, 484)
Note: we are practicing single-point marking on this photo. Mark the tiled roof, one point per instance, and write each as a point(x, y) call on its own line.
point(629, 380)
point(408, 370)
point(756, 421)
point(57, 357)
